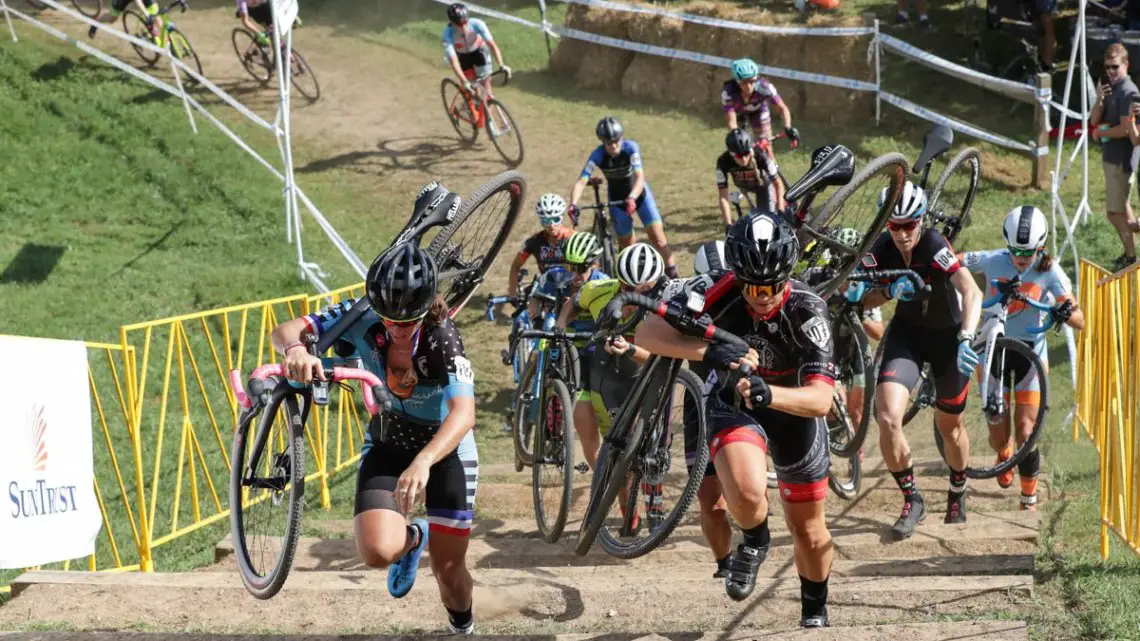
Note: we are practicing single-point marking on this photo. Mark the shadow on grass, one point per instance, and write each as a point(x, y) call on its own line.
point(32, 264)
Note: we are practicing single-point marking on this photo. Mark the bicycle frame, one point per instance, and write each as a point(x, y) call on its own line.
point(476, 101)
point(994, 328)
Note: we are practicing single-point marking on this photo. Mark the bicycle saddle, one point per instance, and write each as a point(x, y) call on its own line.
point(935, 142)
point(435, 204)
point(831, 166)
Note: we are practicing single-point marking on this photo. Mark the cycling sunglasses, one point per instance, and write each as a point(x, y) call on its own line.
point(550, 221)
point(1022, 253)
point(388, 322)
point(754, 291)
point(581, 268)
point(907, 226)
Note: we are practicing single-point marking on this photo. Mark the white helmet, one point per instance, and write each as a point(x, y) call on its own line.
point(638, 264)
point(710, 257)
point(550, 208)
point(1025, 228)
point(911, 205)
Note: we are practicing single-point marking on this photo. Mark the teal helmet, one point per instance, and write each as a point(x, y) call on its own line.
point(744, 68)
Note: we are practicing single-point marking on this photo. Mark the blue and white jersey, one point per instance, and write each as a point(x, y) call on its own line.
point(475, 38)
point(1051, 287)
point(620, 170)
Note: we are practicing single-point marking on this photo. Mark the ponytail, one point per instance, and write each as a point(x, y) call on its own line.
point(438, 312)
point(1045, 262)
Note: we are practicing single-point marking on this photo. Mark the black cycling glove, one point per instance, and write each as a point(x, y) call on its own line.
point(760, 394)
point(1062, 313)
point(720, 355)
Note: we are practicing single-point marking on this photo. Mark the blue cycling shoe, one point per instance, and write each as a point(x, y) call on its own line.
point(402, 573)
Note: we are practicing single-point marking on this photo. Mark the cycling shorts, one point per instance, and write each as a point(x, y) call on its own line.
point(609, 383)
point(798, 445)
point(1040, 8)
point(646, 211)
point(906, 349)
point(262, 14)
point(1026, 381)
point(118, 6)
point(475, 63)
point(450, 492)
point(692, 426)
point(586, 355)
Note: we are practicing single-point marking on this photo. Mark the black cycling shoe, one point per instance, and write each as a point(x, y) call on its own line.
point(816, 621)
point(740, 579)
point(913, 513)
point(956, 509)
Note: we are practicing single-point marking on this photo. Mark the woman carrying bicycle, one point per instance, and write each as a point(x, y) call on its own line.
point(785, 399)
point(937, 331)
point(547, 247)
point(423, 448)
point(1042, 279)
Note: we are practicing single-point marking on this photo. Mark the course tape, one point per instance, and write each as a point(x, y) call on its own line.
point(726, 24)
point(956, 125)
point(506, 16)
point(717, 61)
point(1009, 88)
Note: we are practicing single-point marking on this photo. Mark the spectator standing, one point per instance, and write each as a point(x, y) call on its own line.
point(1111, 115)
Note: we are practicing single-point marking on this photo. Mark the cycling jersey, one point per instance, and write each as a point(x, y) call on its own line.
point(756, 108)
point(1051, 287)
point(469, 46)
point(548, 253)
point(621, 172)
point(795, 346)
point(759, 180)
point(442, 372)
point(934, 260)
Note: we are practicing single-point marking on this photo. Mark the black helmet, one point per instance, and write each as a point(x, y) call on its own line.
point(738, 141)
point(402, 282)
point(609, 129)
point(761, 249)
point(457, 13)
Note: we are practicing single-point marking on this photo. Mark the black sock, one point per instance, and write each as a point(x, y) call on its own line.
point(813, 597)
point(758, 537)
point(957, 484)
point(905, 481)
point(459, 619)
point(671, 271)
point(722, 564)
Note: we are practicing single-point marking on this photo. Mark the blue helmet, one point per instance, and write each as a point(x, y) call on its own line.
point(744, 68)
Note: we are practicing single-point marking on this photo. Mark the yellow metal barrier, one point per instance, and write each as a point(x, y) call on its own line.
point(1108, 394)
point(116, 549)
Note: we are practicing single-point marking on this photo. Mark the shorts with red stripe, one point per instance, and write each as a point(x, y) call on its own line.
point(906, 349)
point(798, 446)
point(451, 486)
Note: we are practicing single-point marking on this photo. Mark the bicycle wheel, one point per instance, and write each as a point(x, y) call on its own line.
point(981, 464)
point(89, 8)
point(846, 472)
point(553, 468)
point(180, 48)
point(956, 198)
point(663, 473)
point(460, 111)
point(922, 395)
point(278, 478)
point(473, 240)
point(251, 56)
point(303, 78)
point(847, 433)
point(135, 25)
point(526, 416)
point(842, 211)
point(501, 126)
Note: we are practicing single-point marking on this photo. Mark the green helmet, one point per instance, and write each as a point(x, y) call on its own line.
point(744, 68)
point(582, 247)
point(848, 236)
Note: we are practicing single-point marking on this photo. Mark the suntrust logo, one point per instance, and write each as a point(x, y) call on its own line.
point(35, 497)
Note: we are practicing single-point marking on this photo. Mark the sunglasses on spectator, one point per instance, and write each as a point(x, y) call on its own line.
point(1022, 253)
point(907, 226)
point(753, 290)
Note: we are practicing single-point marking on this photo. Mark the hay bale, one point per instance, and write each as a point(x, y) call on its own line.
point(568, 54)
point(695, 85)
point(602, 67)
point(843, 57)
point(786, 52)
point(647, 76)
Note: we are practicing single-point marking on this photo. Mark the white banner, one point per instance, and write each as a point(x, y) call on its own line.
point(47, 471)
point(284, 13)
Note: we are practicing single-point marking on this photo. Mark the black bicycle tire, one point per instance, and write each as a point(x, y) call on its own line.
point(240, 53)
point(455, 121)
point(511, 181)
point(79, 7)
point(551, 532)
point(692, 384)
point(1014, 345)
point(131, 13)
point(492, 103)
point(944, 177)
point(197, 62)
point(517, 437)
point(855, 443)
point(849, 490)
point(308, 69)
point(268, 586)
point(833, 204)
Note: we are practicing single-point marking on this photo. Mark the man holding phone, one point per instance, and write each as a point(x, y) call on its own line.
point(1112, 115)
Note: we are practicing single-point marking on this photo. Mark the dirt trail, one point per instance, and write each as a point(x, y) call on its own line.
point(380, 114)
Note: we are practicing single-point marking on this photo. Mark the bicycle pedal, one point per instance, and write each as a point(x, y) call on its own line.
point(582, 468)
point(506, 356)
